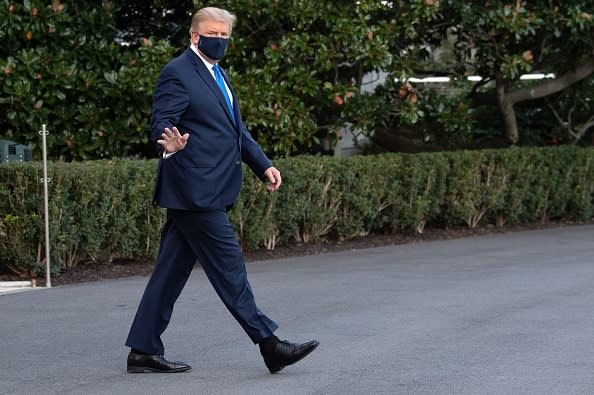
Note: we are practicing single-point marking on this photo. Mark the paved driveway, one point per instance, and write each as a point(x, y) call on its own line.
point(497, 314)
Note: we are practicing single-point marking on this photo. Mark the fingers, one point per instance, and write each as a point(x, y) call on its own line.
point(172, 140)
point(274, 177)
point(171, 133)
point(182, 141)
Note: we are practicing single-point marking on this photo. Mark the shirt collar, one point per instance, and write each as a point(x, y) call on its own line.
point(206, 63)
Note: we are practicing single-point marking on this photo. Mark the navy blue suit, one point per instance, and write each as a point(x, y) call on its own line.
point(197, 185)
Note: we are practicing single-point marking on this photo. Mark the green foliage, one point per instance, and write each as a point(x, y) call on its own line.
point(300, 68)
point(424, 183)
point(519, 37)
point(252, 215)
point(161, 19)
point(442, 118)
point(317, 183)
point(21, 222)
point(62, 68)
point(100, 210)
point(296, 64)
point(479, 186)
point(572, 113)
point(498, 41)
point(369, 184)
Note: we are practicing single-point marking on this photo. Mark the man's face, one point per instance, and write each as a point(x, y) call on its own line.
point(211, 29)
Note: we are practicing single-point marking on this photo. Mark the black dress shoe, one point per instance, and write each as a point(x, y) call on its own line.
point(280, 353)
point(141, 363)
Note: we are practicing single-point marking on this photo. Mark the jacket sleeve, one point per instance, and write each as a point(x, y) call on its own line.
point(170, 101)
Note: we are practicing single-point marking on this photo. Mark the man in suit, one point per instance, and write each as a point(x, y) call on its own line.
point(197, 125)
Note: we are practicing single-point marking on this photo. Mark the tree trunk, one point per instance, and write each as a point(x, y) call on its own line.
point(507, 111)
point(506, 99)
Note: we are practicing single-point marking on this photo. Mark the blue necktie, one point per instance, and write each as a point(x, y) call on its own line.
point(221, 84)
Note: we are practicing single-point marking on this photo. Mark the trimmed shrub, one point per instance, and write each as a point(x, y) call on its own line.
point(101, 210)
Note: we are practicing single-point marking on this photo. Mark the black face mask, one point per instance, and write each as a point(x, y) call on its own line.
point(213, 47)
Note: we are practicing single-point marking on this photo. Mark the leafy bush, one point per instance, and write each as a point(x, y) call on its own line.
point(101, 210)
point(98, 210)
point(60, 66)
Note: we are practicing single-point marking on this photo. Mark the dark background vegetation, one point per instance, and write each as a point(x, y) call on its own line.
point(302, 71)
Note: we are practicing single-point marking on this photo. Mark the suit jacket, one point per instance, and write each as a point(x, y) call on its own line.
point(207, 173)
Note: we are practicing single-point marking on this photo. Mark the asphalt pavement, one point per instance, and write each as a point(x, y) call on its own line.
point(496, 314)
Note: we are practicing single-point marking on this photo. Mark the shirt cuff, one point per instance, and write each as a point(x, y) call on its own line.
point(168, 154)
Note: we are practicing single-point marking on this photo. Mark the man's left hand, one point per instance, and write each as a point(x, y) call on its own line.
point(274, 179)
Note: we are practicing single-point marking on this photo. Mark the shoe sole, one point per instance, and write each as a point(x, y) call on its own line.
point(313, 347)
point(144, 369)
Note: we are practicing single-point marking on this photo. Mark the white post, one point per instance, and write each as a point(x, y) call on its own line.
point(45, 180)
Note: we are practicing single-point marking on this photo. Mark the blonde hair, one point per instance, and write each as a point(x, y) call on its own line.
point(212, 14)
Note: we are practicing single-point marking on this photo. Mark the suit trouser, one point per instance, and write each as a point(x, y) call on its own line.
point(206, 236)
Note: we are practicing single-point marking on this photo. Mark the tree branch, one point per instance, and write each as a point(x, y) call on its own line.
point(549, 87)
point(582, 129)
point(555, 113)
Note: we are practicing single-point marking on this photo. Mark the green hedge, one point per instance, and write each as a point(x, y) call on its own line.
point(101, 210)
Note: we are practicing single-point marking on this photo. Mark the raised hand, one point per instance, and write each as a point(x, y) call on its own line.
point(172, 140)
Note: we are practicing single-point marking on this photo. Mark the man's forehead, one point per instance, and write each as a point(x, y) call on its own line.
point(214, 25)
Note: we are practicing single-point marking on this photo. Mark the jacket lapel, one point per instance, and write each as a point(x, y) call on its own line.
point(207, 77)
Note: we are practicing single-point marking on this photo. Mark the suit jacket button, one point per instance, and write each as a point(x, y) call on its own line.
point(237, 162)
